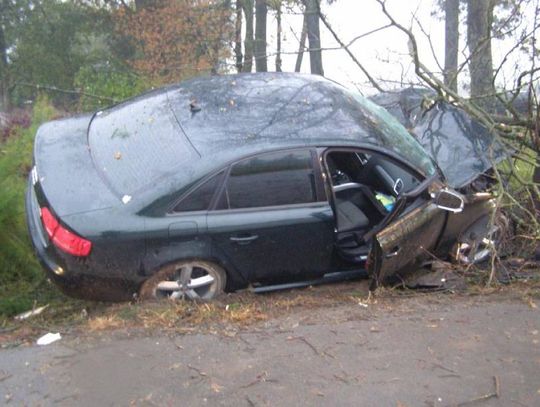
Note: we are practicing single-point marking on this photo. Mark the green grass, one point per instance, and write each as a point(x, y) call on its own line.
point(22, 282)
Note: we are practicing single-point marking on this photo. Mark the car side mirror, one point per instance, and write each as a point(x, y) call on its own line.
point(449, 201)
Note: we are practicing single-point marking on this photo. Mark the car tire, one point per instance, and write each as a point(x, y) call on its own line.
point(481, 240)
point(194, 279)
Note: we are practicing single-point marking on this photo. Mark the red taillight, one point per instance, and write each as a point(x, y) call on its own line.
point(63, 238)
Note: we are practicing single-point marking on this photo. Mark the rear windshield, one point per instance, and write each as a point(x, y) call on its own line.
point(136, 143)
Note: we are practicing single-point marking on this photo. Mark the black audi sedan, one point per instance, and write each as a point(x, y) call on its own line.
point(223, 182)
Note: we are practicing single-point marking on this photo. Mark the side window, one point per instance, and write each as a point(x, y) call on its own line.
point(201, 197)
point(272, 179)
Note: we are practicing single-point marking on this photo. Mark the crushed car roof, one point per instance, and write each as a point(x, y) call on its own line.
point(462, 147)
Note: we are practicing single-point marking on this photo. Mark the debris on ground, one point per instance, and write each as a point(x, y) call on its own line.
point(441, 276)
point(31, 313)
point(48, 338)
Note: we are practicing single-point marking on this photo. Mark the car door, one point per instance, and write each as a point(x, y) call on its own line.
point(408, 234)
point(272, 219)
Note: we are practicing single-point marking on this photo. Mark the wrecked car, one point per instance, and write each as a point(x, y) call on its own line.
point(465, 151)
point(224, 182)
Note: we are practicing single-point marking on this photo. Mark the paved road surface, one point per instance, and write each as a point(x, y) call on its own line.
point(422, 352)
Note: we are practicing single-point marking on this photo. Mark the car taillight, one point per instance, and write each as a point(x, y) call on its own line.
point(63, 238)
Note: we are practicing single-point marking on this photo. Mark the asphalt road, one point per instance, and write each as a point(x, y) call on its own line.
point(414, 352)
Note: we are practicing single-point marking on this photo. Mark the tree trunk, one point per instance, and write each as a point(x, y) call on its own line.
point(247, 6)
point(140, 4)
point(238, 36)
point(479, 22)
point(451, 44)
point(4, 80)
point(301, 46)
point(314, 36)
point(261, 12)
point(278, 36)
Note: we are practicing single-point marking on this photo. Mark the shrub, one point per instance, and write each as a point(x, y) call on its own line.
point(11, 123)
point(103, 86)
point(19, 269)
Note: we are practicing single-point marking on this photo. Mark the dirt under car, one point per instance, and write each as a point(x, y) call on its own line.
point(228, 181)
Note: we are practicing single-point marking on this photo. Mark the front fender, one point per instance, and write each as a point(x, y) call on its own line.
point(476, 206)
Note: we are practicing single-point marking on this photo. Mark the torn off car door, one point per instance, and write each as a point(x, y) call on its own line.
point(408, 235)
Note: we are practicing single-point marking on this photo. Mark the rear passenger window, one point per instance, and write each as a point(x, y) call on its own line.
point(273, 179)
point(201, 197)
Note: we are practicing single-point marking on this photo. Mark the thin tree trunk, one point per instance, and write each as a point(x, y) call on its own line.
point(278, 36)
point(4, 80)
point(140, 4)
point(225, 7)
point(247, 6)
point(301, 46)
point(451, 44)
point(479, 22)
point(238, 36)
point(261, 12)
point(314, 36)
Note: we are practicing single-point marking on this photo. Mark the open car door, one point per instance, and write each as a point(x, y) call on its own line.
point(411, 230)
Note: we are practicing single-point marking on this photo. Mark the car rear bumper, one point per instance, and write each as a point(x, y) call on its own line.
point(71, 281)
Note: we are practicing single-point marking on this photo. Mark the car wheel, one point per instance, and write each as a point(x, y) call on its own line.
point(195, 280)
point(483, 238)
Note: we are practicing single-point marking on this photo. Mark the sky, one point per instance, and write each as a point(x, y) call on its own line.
point(384, 53)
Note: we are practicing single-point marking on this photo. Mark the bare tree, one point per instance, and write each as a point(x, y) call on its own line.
point(314, 36)
point(451, 10)
point(261, 13)
point(301, 45)
point(479, 23)
point(4, 82)
point(278, 36)
point(140, 4)
point(4, 74)
point(238, 36)
point(247, 6)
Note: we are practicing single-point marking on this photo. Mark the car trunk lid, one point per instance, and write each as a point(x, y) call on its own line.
point(64, 177)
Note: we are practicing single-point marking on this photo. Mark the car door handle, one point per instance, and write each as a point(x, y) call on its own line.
point(394, 253)
point(242, 240)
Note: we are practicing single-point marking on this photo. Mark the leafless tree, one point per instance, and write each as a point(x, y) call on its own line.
point(314, 36)
point(451, 10)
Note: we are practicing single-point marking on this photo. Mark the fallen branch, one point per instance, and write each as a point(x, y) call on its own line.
point(495, 394)
point(301, 338)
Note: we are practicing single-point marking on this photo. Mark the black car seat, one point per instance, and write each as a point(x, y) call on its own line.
point(350, 217)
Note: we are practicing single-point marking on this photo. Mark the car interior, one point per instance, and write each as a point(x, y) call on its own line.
point(365, 187)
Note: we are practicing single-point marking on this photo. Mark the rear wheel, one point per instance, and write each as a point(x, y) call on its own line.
point(195, 280)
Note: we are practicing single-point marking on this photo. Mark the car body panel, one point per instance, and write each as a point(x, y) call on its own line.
point(477, 206)
point(407, 240)
point(462, 147)
point(65, 172)
point(294, 241)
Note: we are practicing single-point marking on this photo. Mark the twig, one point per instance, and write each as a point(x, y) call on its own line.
point(495, 394)
point(346, 48)
point(5, 377)
point(259, 379)
point(444, 368)
point(200, 372)
point(301, 338)
point(67, 91)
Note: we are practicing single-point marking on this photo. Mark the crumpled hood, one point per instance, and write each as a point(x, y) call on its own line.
point(462, 147)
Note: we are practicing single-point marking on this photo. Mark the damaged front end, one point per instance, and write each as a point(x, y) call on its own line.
point(466, 152)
